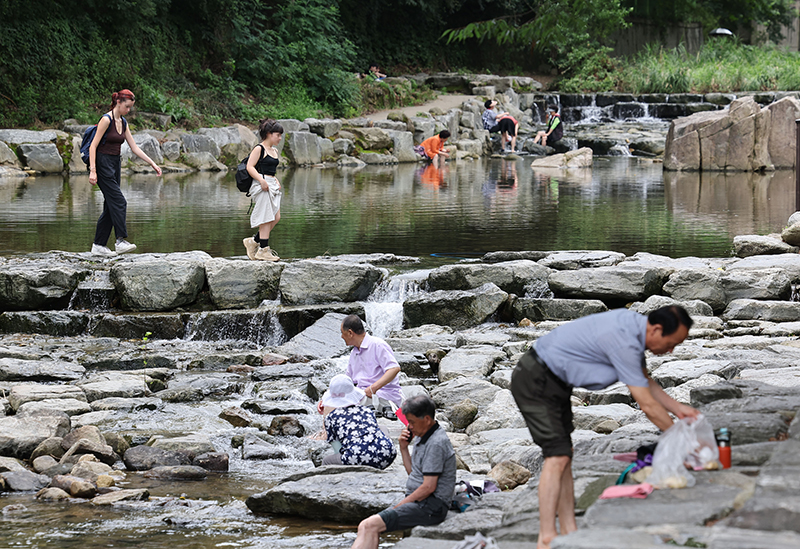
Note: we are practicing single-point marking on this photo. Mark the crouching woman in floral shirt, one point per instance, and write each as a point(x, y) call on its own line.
point(353, 430)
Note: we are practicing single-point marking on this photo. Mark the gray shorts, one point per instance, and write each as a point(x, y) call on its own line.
point(427, 512)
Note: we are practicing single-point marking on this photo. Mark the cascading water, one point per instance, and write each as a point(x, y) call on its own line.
point(384, 308)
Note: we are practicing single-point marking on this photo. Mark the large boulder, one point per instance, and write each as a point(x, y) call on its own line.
point(198, 143)
point(22, 433)
point(323, 128)
point(7, 157)
point(148, 144)
point(38, 284)
point(555, 309)
point(242, 284)
point(783, 132)
point(151, 283)
point(448, 394)
point(142, 458)
point(203, 162)
point(313, 281)
point(789, 263)
point(373, 139)
point(331, 493)
point(582, 158)
point(13, 369)
point(458, 309)
point(469, 361)
point(302, 148)
point(773, 311)
point(702, 284)
point(56, 323)
point(114, 384)
point(515, 277)
point(735, 139)
point(628, 282)
point(573, 260)
point(751, 244)
point(42, 157)
point(22, 393)
point(403, 146)
point(320, 340)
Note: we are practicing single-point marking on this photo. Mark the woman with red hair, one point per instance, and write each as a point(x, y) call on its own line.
point(105, 171)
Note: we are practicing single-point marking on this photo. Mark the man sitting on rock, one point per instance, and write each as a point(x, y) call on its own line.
point(372, 367)
point(431, 477)
point(592, 352)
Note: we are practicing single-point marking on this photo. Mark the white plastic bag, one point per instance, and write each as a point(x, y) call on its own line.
point(706, 454)
point(687, 443)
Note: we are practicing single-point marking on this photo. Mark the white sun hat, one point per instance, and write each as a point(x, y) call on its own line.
point(342, 393)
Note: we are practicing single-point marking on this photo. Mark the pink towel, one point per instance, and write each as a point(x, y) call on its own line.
point(639, 491)
point(629, 457)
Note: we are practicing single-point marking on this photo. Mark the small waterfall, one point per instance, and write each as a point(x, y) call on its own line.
point(538, 289)
point(384, 308)
point(260, 326)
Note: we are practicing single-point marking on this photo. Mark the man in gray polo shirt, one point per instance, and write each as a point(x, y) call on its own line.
point(591, 352)
point(431, 477)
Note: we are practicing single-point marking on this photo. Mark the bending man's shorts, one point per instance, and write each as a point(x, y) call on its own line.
point(427, 512)
point(544, 401)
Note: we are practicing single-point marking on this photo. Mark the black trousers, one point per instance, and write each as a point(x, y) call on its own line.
point(115, 207)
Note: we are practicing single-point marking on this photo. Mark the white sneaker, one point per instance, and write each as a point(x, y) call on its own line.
point(123, 246)
point(102, 251)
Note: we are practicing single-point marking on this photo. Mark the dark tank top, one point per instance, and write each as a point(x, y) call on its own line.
point(113, 140)
point(268, 165)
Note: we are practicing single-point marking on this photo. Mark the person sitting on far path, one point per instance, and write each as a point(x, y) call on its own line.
point(352, 429)
point(372, 366)
point(375, 72)
point(592, 352)
point(555, 129)
point(431, 477)
point(433, 147)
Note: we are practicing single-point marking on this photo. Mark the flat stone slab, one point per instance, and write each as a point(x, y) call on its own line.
point(608, 538)
point(20, 394)
point(677, 372)
point(704, 502)
point(12, 369)
point(332, 493)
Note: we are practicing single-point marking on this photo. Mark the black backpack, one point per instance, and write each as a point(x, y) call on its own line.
point(88, 137)
point(243, 178)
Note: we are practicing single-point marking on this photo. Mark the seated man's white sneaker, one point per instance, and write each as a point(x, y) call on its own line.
point(123, 246)
point(102, 251)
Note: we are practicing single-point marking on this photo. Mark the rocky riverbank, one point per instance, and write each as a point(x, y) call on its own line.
point(183, 366)
point(607, 123)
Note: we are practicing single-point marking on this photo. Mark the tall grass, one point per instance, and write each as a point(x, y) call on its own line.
point(719, 66)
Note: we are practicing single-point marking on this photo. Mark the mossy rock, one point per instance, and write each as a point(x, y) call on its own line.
point(397, 117)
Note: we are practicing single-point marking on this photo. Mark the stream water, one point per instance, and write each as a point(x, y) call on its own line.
point(623, 204)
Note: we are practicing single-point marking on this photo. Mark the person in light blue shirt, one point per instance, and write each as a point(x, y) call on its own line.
point(591, 352)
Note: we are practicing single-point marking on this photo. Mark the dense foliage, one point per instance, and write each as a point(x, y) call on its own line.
point(718, 67)
point(188, 58)
point(210, 61)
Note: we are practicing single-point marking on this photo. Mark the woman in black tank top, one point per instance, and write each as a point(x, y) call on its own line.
point(265, 191)
point(105, 172)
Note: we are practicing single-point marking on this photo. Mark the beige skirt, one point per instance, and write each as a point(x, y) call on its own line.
point(266, 204)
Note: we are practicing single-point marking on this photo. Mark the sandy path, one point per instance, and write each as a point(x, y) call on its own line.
point(445, 101)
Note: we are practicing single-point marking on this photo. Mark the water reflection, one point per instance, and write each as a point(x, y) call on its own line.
point(463, 209)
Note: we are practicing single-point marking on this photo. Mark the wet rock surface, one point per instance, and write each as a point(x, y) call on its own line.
point(232, 390)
